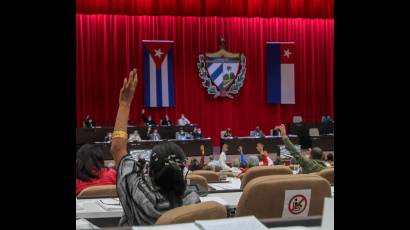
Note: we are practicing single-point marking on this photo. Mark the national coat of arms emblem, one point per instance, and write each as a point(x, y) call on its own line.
point(222, 72)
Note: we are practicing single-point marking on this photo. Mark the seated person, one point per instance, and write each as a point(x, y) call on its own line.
point(266, 161)
point(228, 133)
point(154, 135)
point(308, 165)
point(88, 123)
point(182, 135)
point(195, 165)
point(108, 137)
point(183, 121)
point(327, 124)
point(275, 132)
point(243, 162)
point(236, 167)
point(197, 133)
point(145, 196)
point(329, 160)
point(147, 121)
point(166, 121)
point(90, 169)
point(221, 162)
point(257, 132)
point(252, 162)
point(326, 119)
point(135, 136)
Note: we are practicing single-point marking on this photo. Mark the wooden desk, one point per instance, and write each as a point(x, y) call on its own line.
point(190, 147)
point(249, 144)
point(91, 135)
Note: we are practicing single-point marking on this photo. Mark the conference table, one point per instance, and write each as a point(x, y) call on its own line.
point(270, 143)
point(325, 142)
point(190, 147)
point(91, 210)
point(301, 129)
point(91, 135)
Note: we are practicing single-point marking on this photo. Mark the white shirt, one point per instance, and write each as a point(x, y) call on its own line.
point(222, 161)
point(183, 121)
point(134, 137)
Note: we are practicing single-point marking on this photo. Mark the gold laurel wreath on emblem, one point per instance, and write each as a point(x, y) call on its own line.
point(206, 80)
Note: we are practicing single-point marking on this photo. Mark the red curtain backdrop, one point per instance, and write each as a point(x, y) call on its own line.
point(224, 8)
point(109, 46)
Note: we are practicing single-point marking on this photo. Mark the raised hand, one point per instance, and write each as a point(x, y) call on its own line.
point(128, 88)
point(282, 129)
point(202, 148)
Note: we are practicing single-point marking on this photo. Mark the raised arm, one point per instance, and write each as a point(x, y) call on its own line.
point(120, 135)
point(288, 144)
point(291, 148)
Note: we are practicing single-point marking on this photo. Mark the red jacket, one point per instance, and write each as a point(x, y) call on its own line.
point(107, 176)
point(265, 158)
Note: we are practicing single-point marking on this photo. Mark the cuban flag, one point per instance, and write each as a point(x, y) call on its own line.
point(158, 73)
point(280, 64)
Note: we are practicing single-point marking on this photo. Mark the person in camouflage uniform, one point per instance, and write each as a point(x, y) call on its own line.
point(308, 165)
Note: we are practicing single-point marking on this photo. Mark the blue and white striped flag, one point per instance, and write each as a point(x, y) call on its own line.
point(280, 65)
point(158, 73)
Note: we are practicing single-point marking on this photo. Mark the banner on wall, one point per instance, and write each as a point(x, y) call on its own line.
point(222, 72)
point(158, 73)
point(280, 63)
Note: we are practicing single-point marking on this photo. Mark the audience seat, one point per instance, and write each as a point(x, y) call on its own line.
point(259, 171)
point(190, 213)
point(314, 132)
point(99, 191)
point(228, 174)
point(264, 196)
point(328, 174)
point(210, 176)
point(297, 119)
point(197, 179)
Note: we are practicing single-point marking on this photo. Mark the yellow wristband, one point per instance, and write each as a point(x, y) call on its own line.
point(120, 134)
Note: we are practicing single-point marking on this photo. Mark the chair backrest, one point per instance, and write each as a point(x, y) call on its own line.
point(297, 119)
point(314, 132)
point(190, 213)
point(259, 171)
point(328, 174)
point(197, 179)
point(264, 197)
point(99, 191)
point(210, 176)
point(228, 174)
point(223, 133)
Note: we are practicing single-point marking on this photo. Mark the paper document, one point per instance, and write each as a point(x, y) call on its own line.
point(217, 199)
point(328, 214)
point(110, 204)
point(190, 226)
point(84, 224)
point(237, 223)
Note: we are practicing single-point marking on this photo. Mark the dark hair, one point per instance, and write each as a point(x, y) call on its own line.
point(329, 157)
point(89, 162)
point(316, 153)
point(167, 163)
point(194, 165)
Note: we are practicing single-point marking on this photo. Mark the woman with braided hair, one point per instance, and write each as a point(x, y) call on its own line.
point(146, 190)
